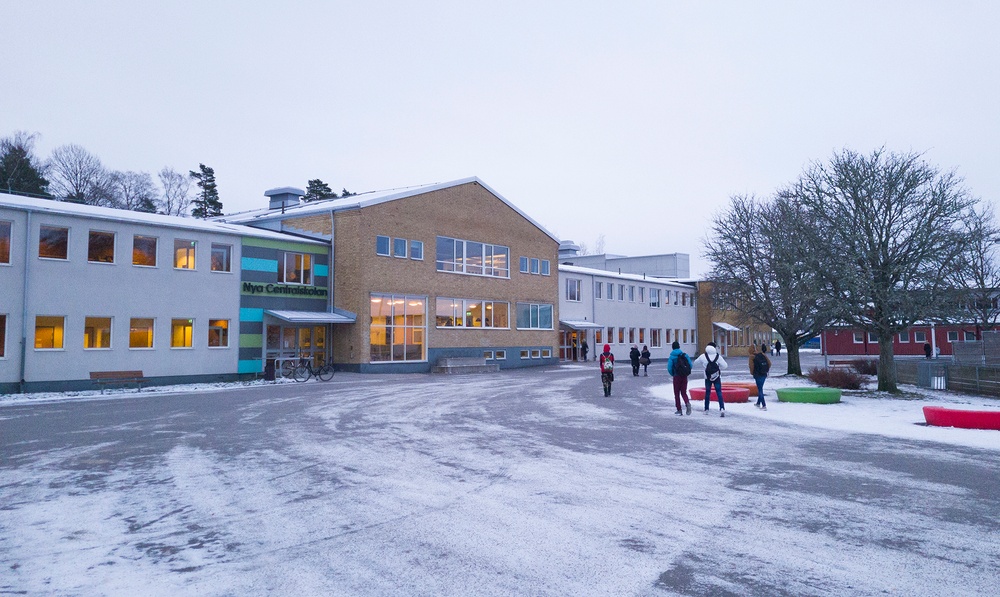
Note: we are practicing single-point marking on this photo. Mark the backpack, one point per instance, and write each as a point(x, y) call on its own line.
point(609, 363)
point(712, 369)
point(682, 366)
point(760, 365)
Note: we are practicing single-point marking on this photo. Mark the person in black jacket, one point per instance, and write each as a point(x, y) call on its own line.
point(644, 360)
point(633, 356)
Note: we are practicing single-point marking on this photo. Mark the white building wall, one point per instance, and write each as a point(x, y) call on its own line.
point(11, 297)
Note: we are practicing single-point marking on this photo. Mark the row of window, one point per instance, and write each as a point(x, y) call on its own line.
point(657, 337)
point(50, 333)
point(461, 256)
point(627, 293)
point(535, 266)
point(918, 337)
point(399, 247)
point(53, 243)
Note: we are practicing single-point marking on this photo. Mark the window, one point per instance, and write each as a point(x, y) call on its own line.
point(621, 292)
point(181, 333)
point(524, 265)
point(654, 338)
point(597, 337)
point(952, 336)
point(642, 335)
point(218, 333)
point(970, 336)
point(536, 354)
point(666, 336)
point(685, 336)
point(396, 333)
point(611, 334)
point(101, 247)
point(49, 332)
point(684, 299)
point(654, 298)
point(677, 295)
point(5, 231)
point(467, 313)
point(500, 355)
point(184, 254)
point(222, 258)
point(52, 242)
point(399, 247)
point(488, 355)
point(621, 335)
point(3, 336)
point(140, 333)
point(631, 294)
point(631, 335)
point(859, 338)
point(573, 290)
point(545, 267)
point(598, 286)
point(611, 291)
point(295, 268)
point(382, 245)
point(534, 316)
point(144, 251)
point(417, 250)
point(872, 337)
point(920, 336)
point(546, 353)
point(525, 354)
point(472, 258)
point(904, 337)
point(535, 265)
point(642, 294)
point(97, 332)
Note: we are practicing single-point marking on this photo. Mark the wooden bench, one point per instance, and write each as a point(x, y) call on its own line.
point(106, 378)
point(837, 363)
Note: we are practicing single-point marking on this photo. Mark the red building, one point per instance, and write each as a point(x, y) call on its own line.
point(851, 341)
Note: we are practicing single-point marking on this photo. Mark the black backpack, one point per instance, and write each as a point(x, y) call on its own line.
point(760, 365)
point(682, 366)
point(712, 368)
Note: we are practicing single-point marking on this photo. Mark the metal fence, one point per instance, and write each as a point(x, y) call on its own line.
point(944, 374)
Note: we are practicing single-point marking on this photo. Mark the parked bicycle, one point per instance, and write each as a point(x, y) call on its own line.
point(305, 370)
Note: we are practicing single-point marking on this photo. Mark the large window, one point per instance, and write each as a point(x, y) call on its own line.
point(654, 338)
point(101, 247)
point(470, 313)
point(97, 332)
point(5, 231)
point(397, 328)
point(181, 333)
point(144, 251)
point(218, 333)
point(295, 268)
point(472, 258)
point(184, 254)
point(222, 258)
point(534, 316)
point(3, 336)
point(140, 333)
point(573, 290)
point(53, 242)
point(49, 332)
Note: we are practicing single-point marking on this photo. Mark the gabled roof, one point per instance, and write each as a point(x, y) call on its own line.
point(68, 208)
point(362, 200)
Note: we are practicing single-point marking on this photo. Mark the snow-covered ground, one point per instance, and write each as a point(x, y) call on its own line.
point(520, 483)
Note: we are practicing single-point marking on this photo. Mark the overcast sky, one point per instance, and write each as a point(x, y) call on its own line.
point(632, 120)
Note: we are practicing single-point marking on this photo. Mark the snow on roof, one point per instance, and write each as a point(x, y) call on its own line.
point(367, 199)
point(590, 271)
point(68, 208)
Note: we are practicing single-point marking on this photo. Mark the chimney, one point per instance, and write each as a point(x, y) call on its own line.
point(284, 197)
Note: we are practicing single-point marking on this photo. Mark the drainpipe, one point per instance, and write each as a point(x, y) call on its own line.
point(933, 343)
point(24, 303)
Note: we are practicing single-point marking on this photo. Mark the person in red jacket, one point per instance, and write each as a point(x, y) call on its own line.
point(607, 369)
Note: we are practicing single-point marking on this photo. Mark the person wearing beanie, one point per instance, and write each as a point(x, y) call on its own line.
point(607, 369)
point(679, 363)
point(713, 363)
point(633, 356)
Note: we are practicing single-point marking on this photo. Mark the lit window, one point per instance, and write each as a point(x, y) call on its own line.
point(536, 354)
point(621, 335)
point(469, 313)
point(597, 337)
point(382, 245)
point(144, 251)
point(611, 334)
point(525, 354)
point(642, 335)
point(49, 332)
point(52, 242)
point(181, 333)
point(500, 355)
point(472, 258)
point(222, 258)
point(184, 254)
point(654, 338)
point(399, 247)
point(101, 247)
point(396, 332)
point(631, 335)
point(218, 333)
point(3, 336)
point(546, 353)
point(488, 355)
point(417, 250)
point(5, 231)
point(295, 268)
point(140, 333)
point(97, 332)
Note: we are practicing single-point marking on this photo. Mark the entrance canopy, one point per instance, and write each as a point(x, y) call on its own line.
point(725, 326)
point(337, 316)
point(581, 325)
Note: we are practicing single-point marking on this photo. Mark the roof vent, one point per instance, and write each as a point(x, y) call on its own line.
point(284, 197)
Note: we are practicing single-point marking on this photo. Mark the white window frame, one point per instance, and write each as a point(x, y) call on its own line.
point(224, 249)
point(114, 246)
point(654, 304)
point(904, 337)
point(39, 246)
point(546, 267)
point(111, 326)
point(953, 336)
point(192, 248)
point(524, 265)
point(190, 320)
point(7, 226)
point(859, 337)
point(574, 293)
point(156, 250)
point(283, 268)
point(62, 344)
point(417, 250)
point(152, 333)
point(379, 239)
point(598, 287)
point(400, 243)
point(968, 334)
point(226, 328)
point(920, 336)
point(535, 312)
point(500, 355)
point(535, 265)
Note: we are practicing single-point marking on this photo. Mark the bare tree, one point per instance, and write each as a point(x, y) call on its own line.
point(599, 245)
point(134, 191)
point(895, 229)
point(765, 259)
point(77, 175)
point(176, 197)
point(979, 277)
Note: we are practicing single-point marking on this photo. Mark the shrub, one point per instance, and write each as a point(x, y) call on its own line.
point(865, 366)
point(845, 379)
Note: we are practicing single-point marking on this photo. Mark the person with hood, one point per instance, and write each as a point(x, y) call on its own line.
point(607, 369)
point(633, 356)
point(679, 367)
point(713, 363)
point(644, 360)
point(759, 366)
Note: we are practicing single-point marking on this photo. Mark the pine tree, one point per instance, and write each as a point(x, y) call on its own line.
point(206, 203)
point(20, 173)
point(346, 193)
point(317, 190)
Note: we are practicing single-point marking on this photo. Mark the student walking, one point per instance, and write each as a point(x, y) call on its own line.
point(679, 367)
point(607, 369)
point(713, 363)
point(777, 348)
point(633, 356)
point(584, 348)
point(759, 367)
point(644, 360)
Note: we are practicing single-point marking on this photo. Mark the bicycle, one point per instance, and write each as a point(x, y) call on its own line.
point(305, 370)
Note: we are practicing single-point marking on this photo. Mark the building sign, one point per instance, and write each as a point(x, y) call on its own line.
point(284, 290)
